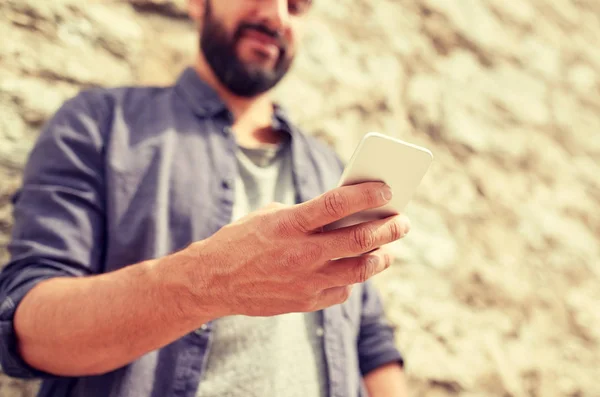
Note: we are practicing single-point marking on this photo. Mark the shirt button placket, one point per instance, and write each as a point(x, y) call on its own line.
point(227, 183)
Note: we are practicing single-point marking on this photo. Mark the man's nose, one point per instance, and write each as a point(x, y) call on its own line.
point(275, 14)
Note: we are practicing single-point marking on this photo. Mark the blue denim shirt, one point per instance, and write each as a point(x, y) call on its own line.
point(123, 175)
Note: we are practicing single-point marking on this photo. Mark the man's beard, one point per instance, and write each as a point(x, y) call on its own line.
point(220, 52)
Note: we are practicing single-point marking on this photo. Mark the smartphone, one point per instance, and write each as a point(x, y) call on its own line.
point(399, 164)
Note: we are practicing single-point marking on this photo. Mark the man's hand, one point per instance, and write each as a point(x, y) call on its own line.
point(277, 260)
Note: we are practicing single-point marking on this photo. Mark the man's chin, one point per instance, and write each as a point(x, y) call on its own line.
point(257, 68)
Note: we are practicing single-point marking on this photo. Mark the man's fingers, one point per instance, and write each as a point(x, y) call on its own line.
point(334, 296)
point(338, 276)
point(359, 239)
point(387, 249)
point(348, 271)
point(337, 204)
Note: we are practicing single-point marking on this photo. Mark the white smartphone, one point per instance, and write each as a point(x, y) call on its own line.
point(399, 164)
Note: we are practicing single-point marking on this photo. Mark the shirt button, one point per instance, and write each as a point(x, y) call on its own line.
point(201, 330)
point(227, 183)
point(320, 332)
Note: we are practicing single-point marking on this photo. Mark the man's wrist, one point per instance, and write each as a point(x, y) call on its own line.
point(185, 288)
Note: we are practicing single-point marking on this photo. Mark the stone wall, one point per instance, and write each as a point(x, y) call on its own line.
point(496, 289)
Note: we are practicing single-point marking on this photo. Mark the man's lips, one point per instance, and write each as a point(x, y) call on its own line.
point(262, 37)
point(262, 42)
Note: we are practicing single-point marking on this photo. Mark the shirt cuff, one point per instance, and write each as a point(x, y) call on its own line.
point(11, 362)
point(389, 356)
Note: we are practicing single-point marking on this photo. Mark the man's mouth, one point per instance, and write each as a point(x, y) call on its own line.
point(262, 42)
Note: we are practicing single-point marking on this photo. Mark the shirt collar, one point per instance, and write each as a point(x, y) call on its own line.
point(281, 121)
point(202, 98)
point(205, 101)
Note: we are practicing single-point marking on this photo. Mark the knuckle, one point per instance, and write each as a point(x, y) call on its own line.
point(363, 273)
point(302, 296)
point(367, 268)
point(299, 222)
point(264, 218)
point(395, 231)
point(310, 304)
point(307, 291)
point(344, 294)
point(306, 253)
point(292, 223)
point(196, 250)
point(273, 206)
point(312, 252)
point(371, 197)
point(364, 238)
point(335, 204)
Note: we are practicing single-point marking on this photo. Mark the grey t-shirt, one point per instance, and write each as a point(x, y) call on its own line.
point(265, 356)
point(264, 176)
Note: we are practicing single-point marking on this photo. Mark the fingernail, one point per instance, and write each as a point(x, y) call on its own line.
point(388, 260)
point(406, 227)
point(387, 193)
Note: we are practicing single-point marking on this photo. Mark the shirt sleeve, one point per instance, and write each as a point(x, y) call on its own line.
point(376, 345)
point(58, 217)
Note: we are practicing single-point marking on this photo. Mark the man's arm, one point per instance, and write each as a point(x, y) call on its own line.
point(90, 325)
point(386, 381)
point(380, 361)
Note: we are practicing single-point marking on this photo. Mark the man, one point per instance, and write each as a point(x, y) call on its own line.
point(145, 261)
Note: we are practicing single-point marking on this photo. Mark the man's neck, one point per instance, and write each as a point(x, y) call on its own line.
point(252, 116)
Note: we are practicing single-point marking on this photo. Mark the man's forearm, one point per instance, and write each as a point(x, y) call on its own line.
point(386, 381)
point(92, 325)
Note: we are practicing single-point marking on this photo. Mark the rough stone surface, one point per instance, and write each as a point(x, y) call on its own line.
point(495, 292)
